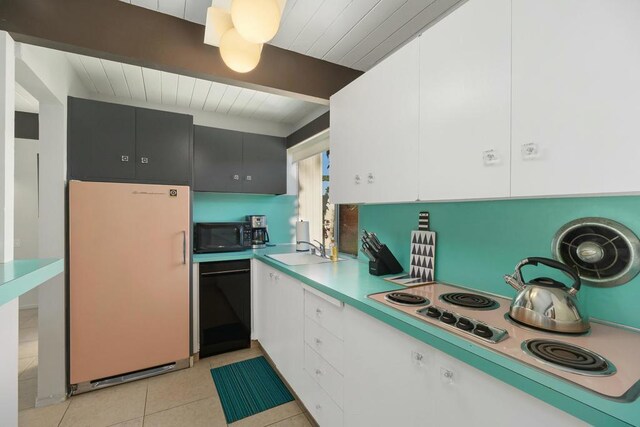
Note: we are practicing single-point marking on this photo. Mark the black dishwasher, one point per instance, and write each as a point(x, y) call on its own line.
point(225, 306)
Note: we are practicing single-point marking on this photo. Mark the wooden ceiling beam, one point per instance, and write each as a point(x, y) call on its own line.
point(122, 32)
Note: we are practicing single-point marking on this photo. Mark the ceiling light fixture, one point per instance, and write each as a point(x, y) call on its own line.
point(240, 27)
point(239, 54)
point(256, 20)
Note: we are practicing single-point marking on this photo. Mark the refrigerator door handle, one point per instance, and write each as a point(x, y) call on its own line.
point(184, 247)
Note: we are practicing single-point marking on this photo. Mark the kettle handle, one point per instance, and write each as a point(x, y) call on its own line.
point(553, 264)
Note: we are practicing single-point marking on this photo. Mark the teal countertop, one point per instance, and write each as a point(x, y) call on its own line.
point(20, 276)
point(349, 281)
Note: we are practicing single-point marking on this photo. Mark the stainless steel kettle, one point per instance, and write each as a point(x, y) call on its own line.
point(545, 303)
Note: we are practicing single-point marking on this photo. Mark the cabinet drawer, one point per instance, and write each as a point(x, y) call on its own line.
point(324, 374)
point(325, 343)
point(320, 406)
point(327, 312)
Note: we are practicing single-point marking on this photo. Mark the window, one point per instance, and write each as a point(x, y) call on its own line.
point(328, 223)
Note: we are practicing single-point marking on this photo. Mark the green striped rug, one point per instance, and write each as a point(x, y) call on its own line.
point(248, 387)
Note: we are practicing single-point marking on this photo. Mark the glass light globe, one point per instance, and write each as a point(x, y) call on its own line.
point(239, 54)
point(256, 20)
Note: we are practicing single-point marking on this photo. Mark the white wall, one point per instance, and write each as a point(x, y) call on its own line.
point(7, 117)
point(48, 76)
point(8, 311)
point(26, 209)
point(9, 364)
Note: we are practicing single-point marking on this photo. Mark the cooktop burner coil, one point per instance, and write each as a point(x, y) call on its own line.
point(474, 301)
point(403, 298)
point(568, 357)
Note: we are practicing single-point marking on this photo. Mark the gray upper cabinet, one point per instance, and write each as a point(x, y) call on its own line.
point(101, 139)
point(113, 142)
point(264, 164)
point(217, 162)
point(163, 146)
point(236, 162)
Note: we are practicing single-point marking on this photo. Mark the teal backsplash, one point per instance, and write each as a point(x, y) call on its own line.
point(478, 242)
point(281, 211)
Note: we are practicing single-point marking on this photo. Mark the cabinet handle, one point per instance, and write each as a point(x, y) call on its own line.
point(318, 407)
point(144, 160)
point(370, 178)
point(236, 177)
point(124, 158)
point(318, 372)
point(318, 341)
point(490, 157)
point(530, 151)
point(318, 311)
point(357, 178)
point(248, 178)
point(271, 275)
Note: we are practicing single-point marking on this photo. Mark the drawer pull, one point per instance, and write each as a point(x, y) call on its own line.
point(318, 311)
point(318, 372)
point(318, 407)
point(318, 341)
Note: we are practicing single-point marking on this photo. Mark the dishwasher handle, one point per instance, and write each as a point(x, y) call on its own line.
point(217, 273)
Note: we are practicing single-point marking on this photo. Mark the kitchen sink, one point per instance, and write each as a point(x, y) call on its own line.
point(303, 258)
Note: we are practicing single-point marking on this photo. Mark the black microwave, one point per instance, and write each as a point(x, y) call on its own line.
point(221, 237)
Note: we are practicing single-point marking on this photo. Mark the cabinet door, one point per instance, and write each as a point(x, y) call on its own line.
point(463, 390)
point(347, 106)
point(575, 97)
point(390, 145)
point(163, 146)
point(374, 133)
point(278, 311)
point(264, 164)
point(289, 326)
point(101, 140)
point(217, 160)
point(465, 74)
point(386, 375)
point(266, 307)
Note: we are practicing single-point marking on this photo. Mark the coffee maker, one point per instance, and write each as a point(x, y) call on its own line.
point(259, 232)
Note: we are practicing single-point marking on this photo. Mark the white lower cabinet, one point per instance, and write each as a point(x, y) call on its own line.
point(372, 374)
point(278, 320)
point(386, 375)
point(393, 379)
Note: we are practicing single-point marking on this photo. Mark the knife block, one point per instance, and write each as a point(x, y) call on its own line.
point(386, 263)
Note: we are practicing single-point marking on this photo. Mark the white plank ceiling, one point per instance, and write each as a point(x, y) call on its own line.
point(353, 33)
point(126, 81)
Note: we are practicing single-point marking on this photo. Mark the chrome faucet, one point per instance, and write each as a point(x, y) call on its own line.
point(319, 249)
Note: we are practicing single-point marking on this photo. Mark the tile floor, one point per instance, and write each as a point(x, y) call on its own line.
point(182, 398)
point(28, 359)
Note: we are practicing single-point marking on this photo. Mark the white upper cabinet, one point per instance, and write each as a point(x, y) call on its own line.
point(374, 133)
point(465, 85)
point(576, 92)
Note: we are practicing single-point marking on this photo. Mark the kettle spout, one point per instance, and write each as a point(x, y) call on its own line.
point(513, 281)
